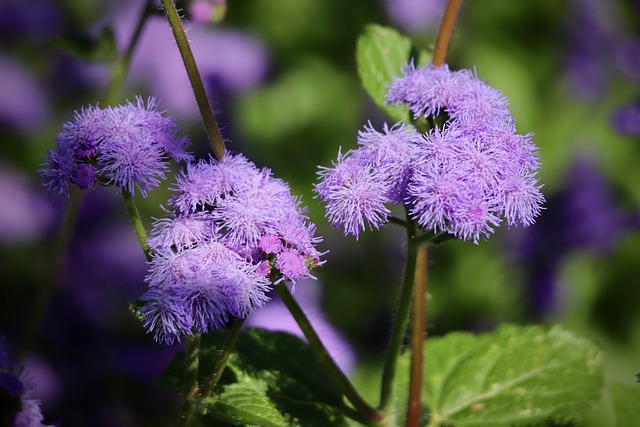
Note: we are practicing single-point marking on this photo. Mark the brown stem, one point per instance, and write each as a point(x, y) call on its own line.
point(418, 335)
point(444, 33)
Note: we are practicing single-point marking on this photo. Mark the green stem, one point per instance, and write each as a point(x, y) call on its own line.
point(120, 67)
point(398, 221)
point(446, 30)
point(349, 391)
point(399, 329)
point(137, 223)
point(418, 334)
point(218, 369)
point(194, 77)
point(190, 390)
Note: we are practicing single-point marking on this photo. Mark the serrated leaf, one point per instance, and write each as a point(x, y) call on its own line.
point(270, 375)
point(381, 53)
point(512, 376)
point(243, 404)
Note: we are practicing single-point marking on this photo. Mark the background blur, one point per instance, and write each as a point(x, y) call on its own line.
point(282, 77)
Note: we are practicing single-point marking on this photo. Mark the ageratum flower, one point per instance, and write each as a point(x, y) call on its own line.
point(360, 185)
point(127, 146)
point(16, 387)
point(234, 231)
point(461, 178)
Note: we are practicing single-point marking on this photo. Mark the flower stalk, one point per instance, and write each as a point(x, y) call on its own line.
point(443, 38)
point(137, 223)
point(190, 390)
point(371, 414)
point(224, 356)
point(418, 335)
point(399, 328)
point(211, 126)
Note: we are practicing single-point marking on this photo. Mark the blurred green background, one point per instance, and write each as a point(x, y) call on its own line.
point(296, 99)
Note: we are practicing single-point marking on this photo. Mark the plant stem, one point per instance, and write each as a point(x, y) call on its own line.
point(194, 77)
point(398, 221)
point(120, 67)
point(190, 389)
point(137, 223)
point(418, 334)
point(349, 391)
point(399, 329)
point(444, 33)
point(218, 369)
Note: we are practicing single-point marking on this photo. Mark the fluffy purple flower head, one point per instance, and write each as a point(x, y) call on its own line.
point(431, 90)
point(462, 178)
point(216, 255)
point(127, 146)
point(360, 185)
point(466, 179)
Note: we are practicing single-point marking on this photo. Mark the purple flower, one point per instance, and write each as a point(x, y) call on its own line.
point(470, 171)
point(270, 244)
point(16, 388)
point(235, 230)
point(208, 182)
point(165, 315)
point(180, 232)
point(431, 90)
point(361, 183)
point(126, 146)
point(292, 265)
point(627, 120)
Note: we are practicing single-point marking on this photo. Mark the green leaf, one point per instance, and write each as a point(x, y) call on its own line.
point(245, 405)
point(271, 379)
point(381, 53)
point(512, 376)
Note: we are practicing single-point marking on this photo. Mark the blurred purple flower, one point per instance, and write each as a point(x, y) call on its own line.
point(18, 407)
point(627, 120)
point(583, 216)
point(25, 213)
point(234, 60)
point(591, 53)
point(594, 221)
point(415, 16)
point(22, 104)
point(37, 19)
point(204, 11)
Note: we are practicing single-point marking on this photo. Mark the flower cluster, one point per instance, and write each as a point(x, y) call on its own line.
point(127, 146)
point(17, 407)
point(461, 178)
point(234, 231)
